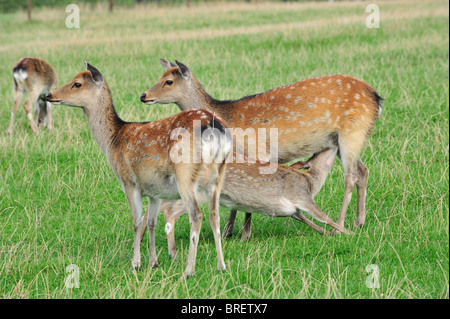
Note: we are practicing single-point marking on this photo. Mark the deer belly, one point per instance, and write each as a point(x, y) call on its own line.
point(164, 187)
point(304, 144)
point(268, 205)
point(285, 207)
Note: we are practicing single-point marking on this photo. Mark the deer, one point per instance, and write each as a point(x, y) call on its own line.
point(285, 193)
point(37, 77)
point(308, 115)
point(247, 227)
point(145, 159)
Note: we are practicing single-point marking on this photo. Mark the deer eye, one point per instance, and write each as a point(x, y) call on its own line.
point(77, 85)
point(168, 82)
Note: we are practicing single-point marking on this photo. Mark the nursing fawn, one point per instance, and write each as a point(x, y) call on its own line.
point(308, 115)
point(143, 159)
point(37, 77)
point(247, 227)
point(286, 193)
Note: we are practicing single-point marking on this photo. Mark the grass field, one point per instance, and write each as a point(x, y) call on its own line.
point(60, 203)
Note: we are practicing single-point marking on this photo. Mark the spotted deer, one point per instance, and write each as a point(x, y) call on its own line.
point(286, 193)
point(309, 115)
point(37, 77)
point(143, 159)
point(247, 227)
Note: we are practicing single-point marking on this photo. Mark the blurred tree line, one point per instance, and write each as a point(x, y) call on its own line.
point(14, 5)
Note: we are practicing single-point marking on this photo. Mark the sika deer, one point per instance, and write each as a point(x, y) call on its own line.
point(247, 228)
point(141, 154)
point(286, 193)
point(308, 114)
point(37, 77)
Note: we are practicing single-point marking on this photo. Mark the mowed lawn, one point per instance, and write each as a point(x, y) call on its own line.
point(61, 205)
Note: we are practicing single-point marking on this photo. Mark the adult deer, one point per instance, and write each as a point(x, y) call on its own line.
point(143, 158)
point(37, 77)
point(309, 114)
point(285, 193)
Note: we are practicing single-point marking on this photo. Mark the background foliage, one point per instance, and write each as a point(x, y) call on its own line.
point(60, 203)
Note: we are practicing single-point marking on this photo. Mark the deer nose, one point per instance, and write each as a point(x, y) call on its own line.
point(48, 95)
point(143, 95)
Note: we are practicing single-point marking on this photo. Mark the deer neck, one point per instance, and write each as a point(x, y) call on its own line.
point(317, 175)
point(320, 167)
point(195, 97)
point(103, 119)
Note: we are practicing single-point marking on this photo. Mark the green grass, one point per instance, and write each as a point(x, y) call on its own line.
point(61, 204)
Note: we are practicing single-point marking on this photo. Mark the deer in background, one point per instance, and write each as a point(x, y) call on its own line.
point(140, 156)
point(37, 77)
point(309, 114)
point(286, 193)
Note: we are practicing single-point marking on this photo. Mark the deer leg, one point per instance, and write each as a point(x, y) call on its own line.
point(153, 211)
point(44, 114)
point(144, 222)
point(172, 212)
point(135, 200)
point(361, 187)
point(41, 113)
point(310, 207)
point(214, 219)
point(247, 227)
point(349, 186)
point(18, 94)
point(349, 148)
point(36, 108)
point(170, 232)
point(229, 227)
point(195, 219)
point(300, 217)
point(214, 216)
point(187, 188)
point(31, 100)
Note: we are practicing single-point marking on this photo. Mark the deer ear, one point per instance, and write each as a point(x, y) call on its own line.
point(97, 77)
point(167, 64)
point(184, 70)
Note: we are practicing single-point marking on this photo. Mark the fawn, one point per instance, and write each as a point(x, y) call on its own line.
point(247, 228)
point(308, 115)
point(37, 77)
point(140, 156)
point(286, 193)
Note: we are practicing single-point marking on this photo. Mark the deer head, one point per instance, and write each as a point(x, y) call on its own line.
point(175, 84)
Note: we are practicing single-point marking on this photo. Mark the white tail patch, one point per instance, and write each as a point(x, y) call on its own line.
point(20, 76)
point(216, 145)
